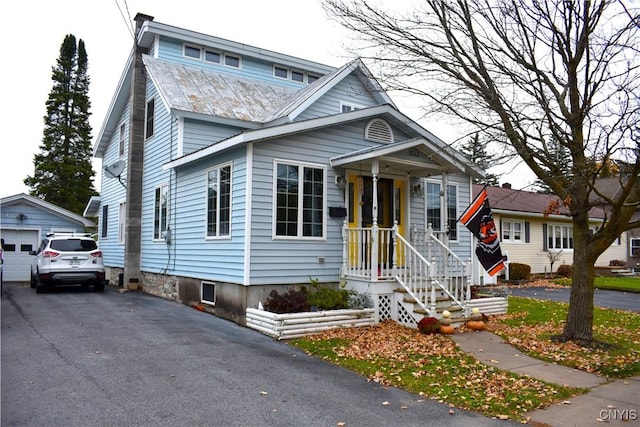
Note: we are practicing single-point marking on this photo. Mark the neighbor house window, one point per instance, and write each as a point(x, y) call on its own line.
point(122, 130)
point(434, 208)
point(559, 236)
point(148, 129)
point(512, 231)
point(160, 212)
point(299, 201)
point(122, 222)
point(105, 221)
point(219, 201)
point(635, 247)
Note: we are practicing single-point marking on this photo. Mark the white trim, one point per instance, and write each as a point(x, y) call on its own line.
point(122, 216)
point(299, 233)
point(39, 203)
point(349, 104)
point(248, 217)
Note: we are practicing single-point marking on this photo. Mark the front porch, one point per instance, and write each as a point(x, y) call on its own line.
point(407, 278)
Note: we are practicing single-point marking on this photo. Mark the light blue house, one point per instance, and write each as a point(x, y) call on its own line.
point(232, 170)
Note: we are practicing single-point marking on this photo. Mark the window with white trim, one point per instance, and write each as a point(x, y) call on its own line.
point(122, 222)
point(300, 200)
point(192, 51)
point(208, 293)
point(634, 244)
point(512, 231)
point(160, 212)
point(231, 61)
point(219, 201)
point(149, 118)
point(121, 138)
point(212, 56)
point(345, 107)
point(104, 233)
point(434, 208)
point(559, 236)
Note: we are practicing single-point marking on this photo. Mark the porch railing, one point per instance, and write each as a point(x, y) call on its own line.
point(425, 267)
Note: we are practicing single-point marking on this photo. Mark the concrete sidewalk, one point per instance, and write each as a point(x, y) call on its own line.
point(612, 403)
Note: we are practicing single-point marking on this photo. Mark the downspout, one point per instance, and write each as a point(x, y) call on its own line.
point(133, 227)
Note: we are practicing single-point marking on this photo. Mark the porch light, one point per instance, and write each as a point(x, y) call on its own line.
point(341, 182)
point(418, 191)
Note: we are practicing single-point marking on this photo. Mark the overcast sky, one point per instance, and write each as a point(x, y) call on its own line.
point(34, 30)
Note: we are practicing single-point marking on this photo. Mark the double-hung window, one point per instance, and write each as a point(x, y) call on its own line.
point(635, 246)
point(512, 231)
point(149, 118)
point(219, 201)
point(300, 200)
point(435, 207)
point(160, 212)
point(559, 236)
point(105, 222)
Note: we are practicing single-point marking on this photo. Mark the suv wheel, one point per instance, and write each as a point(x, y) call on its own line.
point(40, 287)
point(33, 281)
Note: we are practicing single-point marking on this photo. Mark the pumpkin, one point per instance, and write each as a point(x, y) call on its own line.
point(447, 329)
point(476, 325)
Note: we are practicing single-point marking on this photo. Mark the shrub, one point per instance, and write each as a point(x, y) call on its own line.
point(519, 271)
point(565, 270)
point(291, 301)
point(429, 325)
point(617, 263)
point(359, 300)
point(325, 298)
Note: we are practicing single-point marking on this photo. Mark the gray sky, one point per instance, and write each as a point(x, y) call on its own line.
point(34, 30)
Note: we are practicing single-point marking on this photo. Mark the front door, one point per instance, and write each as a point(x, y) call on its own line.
point(390, 196)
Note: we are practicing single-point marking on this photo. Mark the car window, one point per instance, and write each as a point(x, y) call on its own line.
point(73, 245)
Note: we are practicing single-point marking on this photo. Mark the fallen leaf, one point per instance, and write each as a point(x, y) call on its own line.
point(263, 393)
point(385, 403)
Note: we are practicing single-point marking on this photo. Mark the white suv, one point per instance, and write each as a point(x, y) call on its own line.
point(67, 259)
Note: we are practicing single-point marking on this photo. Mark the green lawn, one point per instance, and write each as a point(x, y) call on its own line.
point(622, 283)
point(434, 368)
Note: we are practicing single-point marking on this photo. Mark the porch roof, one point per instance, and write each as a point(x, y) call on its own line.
point(415, 157)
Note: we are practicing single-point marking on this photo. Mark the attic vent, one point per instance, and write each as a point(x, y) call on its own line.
point(378, 130)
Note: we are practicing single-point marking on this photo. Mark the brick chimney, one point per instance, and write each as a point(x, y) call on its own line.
point(506, 185)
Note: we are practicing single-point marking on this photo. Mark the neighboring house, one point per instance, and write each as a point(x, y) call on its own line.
point(529, 236)
point(24, 222)
point(232, 170)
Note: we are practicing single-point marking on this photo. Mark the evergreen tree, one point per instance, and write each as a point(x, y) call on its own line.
point(559, 166)
point(476, 152)
point(63, 172)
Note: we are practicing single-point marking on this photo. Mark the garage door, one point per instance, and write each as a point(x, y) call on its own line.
point(17, 261)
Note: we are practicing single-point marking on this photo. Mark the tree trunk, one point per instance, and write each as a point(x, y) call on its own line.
point(579, 326)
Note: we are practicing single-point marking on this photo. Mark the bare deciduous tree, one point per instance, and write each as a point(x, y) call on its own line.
point(525, 73)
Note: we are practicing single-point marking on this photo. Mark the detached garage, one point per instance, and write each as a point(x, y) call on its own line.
point(24, 221)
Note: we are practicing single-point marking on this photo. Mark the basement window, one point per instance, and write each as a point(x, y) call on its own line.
point(208, 293)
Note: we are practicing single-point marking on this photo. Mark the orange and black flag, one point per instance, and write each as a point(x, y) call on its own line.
point(478, 218)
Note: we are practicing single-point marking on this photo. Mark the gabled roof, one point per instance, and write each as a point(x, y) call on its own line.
point(307, 96)
point(438, 151)
point(527, 203)
point(36, 202)
point(146, 39)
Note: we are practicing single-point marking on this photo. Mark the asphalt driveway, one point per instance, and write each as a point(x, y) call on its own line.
point(602, 297)
point(78, 358)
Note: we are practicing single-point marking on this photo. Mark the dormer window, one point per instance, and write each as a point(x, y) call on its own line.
point(192, 52)
point(378, 130)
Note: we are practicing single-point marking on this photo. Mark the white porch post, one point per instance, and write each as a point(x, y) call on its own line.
point(445, 208)
point(375, 169)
